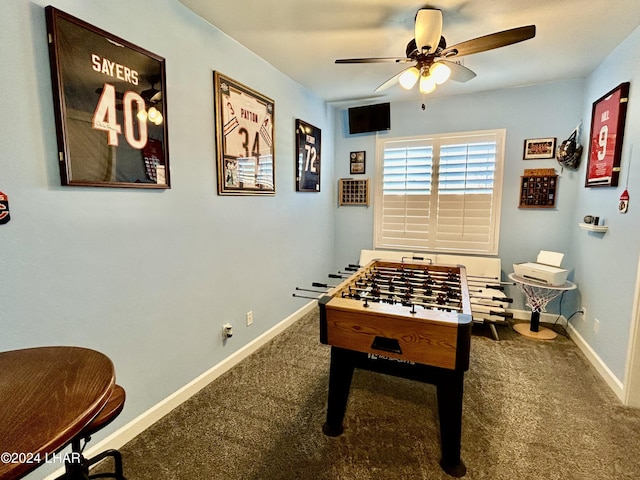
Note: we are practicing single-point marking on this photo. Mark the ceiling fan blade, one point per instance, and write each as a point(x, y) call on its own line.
point(459, 73)
point(491, 41)
point(428, 29)
point(374, 60)
point(391, 82)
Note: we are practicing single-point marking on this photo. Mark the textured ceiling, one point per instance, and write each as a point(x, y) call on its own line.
point(303, 38)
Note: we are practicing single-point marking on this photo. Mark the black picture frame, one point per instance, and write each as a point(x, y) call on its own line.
point(308, 151)
point(357, 163)
point(110, 107)
point(245, 139)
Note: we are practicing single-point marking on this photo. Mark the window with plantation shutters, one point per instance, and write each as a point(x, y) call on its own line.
point(439, 193)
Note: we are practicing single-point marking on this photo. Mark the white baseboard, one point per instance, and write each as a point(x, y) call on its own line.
point(136, 426)
point(607, 375)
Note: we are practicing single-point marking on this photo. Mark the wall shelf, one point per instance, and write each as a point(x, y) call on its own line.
point(593, 228)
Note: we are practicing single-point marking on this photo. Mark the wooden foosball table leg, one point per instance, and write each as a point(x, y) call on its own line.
point(449, 388)
point(340, 375)
point(449, 393)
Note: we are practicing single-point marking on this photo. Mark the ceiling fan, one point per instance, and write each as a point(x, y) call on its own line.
point(431, 56)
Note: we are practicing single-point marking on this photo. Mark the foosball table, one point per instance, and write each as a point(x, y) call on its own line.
point(407, 319)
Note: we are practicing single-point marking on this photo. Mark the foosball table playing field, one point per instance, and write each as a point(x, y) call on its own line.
point(408, 319)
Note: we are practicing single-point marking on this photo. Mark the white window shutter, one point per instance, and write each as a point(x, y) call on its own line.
point(440, 193)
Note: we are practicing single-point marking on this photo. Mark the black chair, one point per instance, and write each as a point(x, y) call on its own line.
point(78, 467)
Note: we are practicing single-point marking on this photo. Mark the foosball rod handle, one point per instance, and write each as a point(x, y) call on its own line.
point(492, 299)
point(417, 259)
point(322, 285)
point(335, 275)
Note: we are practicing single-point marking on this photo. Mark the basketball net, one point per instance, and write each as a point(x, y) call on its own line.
point(538, 296)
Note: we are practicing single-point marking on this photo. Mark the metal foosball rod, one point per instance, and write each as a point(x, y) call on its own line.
point(384, 297)
point(483, 308)
point(401, 282)
point(438, 306)
point(484, 282)
point(473, 293)
point(493, 286)
point(416, 280)
point(497, 311)
point(487, 282)
point(442, 301)
point(310, 290)
point(414, 276)
point(416, 268)
point(338, 275)
point(423, 290)
point(417, 274)
point(408, 285)
point(434, 272)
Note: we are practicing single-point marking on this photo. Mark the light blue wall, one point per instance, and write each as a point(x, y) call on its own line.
point(551, 110)
point(603, 266)
point(606, 264)
point(150, 277)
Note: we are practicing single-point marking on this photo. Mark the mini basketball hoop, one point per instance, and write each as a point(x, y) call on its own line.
point(538, 295)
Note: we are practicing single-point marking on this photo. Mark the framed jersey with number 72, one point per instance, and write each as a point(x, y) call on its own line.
point(245, 147)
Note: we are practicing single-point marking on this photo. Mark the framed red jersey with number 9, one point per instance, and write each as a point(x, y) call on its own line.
point(245, 139)
point(605, 140)
point(110, 107)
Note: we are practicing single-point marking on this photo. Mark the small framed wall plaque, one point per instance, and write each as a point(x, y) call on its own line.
point(308, 157)
point(110, 107)
point(539, 148)
point(357, 163)
point(538, 188)
point(608, 117)
point(245, 136)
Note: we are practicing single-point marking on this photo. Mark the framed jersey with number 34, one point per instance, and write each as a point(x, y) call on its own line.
point(110, 107)
point(244, 139)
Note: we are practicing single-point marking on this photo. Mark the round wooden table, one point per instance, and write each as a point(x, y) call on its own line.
point(47, 394)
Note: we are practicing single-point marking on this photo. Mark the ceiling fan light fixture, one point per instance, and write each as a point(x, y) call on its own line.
point(440, 73)
point(409, 78)
point(154, 116)
point(427, 84)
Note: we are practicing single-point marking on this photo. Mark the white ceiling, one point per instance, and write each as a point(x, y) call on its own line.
point(303, 38)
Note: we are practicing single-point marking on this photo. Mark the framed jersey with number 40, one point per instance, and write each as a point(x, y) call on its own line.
point(244, 139)
point(110, 107)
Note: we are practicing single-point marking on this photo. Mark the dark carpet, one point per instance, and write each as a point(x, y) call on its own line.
point(532, 410)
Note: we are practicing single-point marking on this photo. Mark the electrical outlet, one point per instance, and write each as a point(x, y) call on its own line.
point(249, 318)
point(596, 325)
point(584, 313)
point(227, 330)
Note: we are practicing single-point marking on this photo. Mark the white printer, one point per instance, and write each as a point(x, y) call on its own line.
point(546, 269)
